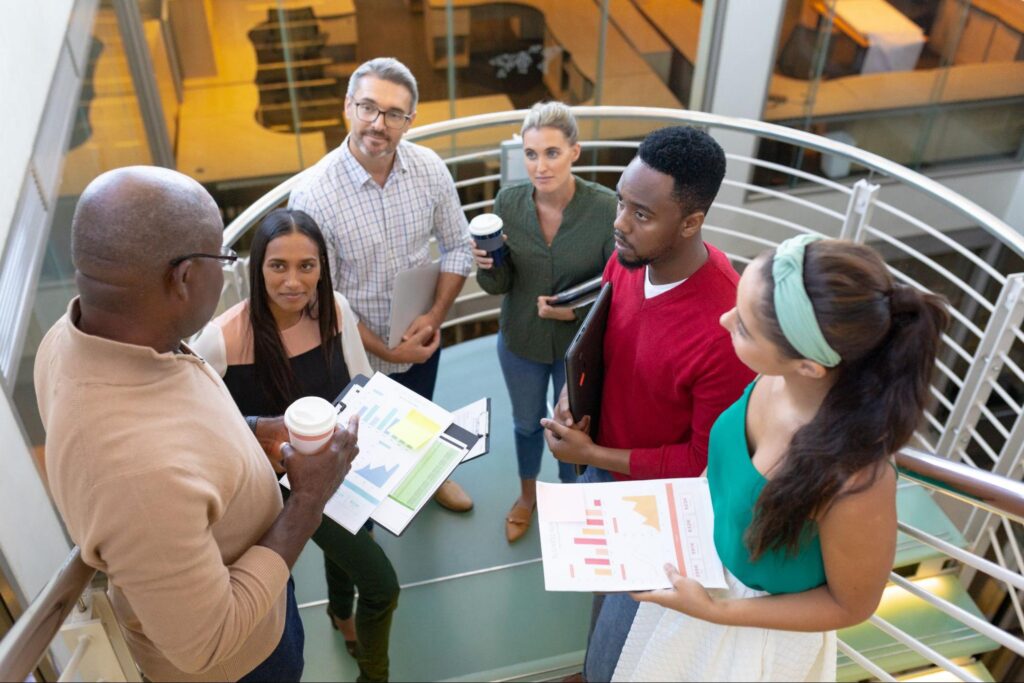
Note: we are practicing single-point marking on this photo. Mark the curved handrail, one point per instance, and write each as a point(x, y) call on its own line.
point(991, 492)
point(27, 641)
point(874, 162)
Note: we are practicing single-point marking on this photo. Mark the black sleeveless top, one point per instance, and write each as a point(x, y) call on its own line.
point(312, 378)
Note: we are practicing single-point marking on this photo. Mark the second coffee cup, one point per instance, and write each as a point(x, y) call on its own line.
point(486, 230)
point(310, 421)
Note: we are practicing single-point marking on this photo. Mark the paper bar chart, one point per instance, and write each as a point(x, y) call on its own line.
point(618, 536)
point(593, 537)
point(368, 414)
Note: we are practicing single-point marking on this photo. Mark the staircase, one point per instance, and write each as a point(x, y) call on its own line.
point(302, 60)
point(931, 570)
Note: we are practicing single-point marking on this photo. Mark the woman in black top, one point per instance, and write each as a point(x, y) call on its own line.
point(295, 336)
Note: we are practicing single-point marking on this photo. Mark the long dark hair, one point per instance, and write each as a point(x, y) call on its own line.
point(273, 370)
point(887, 335)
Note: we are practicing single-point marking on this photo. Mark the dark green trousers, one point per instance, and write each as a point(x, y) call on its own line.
point(355, 561)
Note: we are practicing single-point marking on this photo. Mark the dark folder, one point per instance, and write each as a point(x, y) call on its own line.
point(584, 362)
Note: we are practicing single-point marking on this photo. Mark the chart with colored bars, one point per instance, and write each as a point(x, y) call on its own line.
point(618, 536)
point(375, 417)
point(400, 441)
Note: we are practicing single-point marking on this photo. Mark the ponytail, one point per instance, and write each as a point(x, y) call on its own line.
point(887, 336)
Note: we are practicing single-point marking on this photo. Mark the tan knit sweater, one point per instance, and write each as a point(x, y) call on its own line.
point(165, 489)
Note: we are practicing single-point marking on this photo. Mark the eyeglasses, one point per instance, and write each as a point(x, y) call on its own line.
point(393, 118)
point(227, 255)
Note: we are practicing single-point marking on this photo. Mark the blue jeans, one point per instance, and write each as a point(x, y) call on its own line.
point(285, 663)
point(527, 383)
point(611, 616)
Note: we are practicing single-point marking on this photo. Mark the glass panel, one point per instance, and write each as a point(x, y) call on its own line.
point(511, 55)
point(921, 82)
point(157, 30)
point(264, 80)
point(262, 89)
point(108, 133)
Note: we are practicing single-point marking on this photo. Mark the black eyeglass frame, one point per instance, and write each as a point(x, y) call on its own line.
point(228, 256)
point(406, 118)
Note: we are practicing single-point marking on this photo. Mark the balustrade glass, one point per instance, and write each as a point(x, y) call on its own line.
point(921, 82)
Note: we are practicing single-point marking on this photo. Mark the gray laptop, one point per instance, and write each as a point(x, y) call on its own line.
point(412, 297)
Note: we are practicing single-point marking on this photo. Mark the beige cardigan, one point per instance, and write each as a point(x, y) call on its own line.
point(166, 490)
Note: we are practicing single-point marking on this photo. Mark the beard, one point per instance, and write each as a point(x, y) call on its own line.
point(389, 146)
point(632, 264)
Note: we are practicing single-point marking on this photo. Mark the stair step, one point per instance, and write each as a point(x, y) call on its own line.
point(310, 84)
point(916, 507)
point(924, 622)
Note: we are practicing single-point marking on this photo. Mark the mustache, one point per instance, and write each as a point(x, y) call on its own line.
point(622, 238)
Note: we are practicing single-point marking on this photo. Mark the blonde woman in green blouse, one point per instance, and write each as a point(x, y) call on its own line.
point(559, 232)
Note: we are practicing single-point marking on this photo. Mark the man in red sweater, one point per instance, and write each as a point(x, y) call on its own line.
point(670, 368)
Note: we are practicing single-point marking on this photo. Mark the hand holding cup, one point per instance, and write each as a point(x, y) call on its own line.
point(489, 240)
point(319, 454)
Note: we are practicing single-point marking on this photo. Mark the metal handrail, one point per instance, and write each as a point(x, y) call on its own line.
point(27, 641)
point(991, 492)
point(872, 162)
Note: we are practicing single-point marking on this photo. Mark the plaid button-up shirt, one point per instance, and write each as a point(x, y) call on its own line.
point(374, 232)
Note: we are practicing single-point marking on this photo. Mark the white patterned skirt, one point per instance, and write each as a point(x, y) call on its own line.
point(665, 645)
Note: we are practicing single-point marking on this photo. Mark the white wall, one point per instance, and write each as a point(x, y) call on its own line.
point(31, 34)
point(31, 537)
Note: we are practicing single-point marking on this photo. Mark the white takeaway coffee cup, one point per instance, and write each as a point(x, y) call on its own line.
point(310, 421)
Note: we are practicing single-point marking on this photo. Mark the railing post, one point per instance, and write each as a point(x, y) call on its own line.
point(988, 361)
point(976, 530)
point(859, 210)
point(100, 650)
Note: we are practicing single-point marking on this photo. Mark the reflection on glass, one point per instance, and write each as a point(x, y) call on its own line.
point(263, 88)
point(108, 132)
point(921, 82)
point(265, 80)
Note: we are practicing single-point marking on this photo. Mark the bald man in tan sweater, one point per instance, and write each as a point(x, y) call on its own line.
point(158, 477)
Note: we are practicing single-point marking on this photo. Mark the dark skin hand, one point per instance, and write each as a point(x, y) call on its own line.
point(313, 478)
point(272, 434)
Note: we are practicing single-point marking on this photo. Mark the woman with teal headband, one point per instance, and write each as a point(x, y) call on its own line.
point(803, 492)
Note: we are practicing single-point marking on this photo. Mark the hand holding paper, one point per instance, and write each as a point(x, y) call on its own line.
point(685, 595)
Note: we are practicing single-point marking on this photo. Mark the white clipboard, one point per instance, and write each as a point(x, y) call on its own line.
point(412, 297)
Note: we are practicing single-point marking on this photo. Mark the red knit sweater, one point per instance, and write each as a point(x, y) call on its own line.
point(670, 368)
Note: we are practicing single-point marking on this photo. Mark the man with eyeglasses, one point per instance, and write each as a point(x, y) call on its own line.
point(157, 476)
point(379, 200)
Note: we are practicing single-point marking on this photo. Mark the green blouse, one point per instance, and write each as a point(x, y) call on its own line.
point(735, 485)
point(582, 246)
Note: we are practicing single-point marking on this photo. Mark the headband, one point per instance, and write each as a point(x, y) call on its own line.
point(792, 305)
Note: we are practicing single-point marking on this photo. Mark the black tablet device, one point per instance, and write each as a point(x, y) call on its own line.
point(578, 295)
point(584, 362)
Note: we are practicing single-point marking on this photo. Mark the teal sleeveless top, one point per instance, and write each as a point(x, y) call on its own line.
point(735, 485)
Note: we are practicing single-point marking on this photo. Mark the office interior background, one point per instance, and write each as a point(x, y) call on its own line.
point(244, 94)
